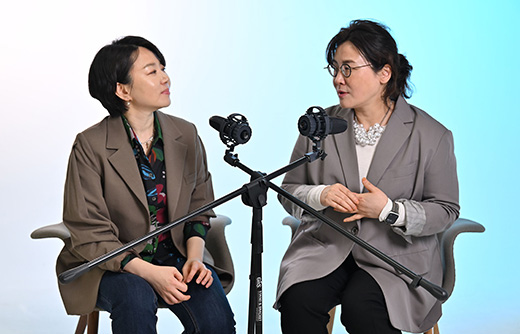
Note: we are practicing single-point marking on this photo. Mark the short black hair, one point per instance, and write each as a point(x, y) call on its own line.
point(379, 48)
point(111, 65)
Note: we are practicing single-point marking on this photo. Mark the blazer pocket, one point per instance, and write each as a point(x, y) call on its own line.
point(401, 171)
point(418, 262)
point(399, 181)
point(417, 257)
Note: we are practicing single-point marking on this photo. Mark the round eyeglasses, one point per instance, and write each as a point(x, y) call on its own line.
point(345, 69)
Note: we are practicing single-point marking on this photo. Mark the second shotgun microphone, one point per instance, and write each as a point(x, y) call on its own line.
point(233, 130)
point(318, 125)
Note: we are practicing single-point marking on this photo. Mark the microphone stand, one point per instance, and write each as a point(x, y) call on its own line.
point(254, 194)
point(256, 197)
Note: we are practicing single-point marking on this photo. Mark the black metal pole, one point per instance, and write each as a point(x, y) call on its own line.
point(257, 198)
point(255, 320)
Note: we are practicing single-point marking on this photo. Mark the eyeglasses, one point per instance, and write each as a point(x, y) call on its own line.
point(345, 69)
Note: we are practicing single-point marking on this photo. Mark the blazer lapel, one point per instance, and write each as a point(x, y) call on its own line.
point(122, 158)
point(397, 131)
point(347, 154)
point(174, 158)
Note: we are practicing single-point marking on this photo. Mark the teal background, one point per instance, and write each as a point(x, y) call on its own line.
point(263, 59)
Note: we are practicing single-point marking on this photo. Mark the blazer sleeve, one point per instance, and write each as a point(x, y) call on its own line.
point(203, 192)
point(439, 206)
point(85, 212)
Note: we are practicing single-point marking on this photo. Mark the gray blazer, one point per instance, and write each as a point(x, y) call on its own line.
point(105, 203)
point(414, 163)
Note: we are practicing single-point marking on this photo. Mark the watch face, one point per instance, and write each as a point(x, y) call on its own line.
point(391, 218)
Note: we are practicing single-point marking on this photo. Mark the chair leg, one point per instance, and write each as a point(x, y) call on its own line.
point(332, 313)
point(434, 330)
point(82, 324)
point(93, 322)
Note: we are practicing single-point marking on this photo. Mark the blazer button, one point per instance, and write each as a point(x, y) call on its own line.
point(354, 230)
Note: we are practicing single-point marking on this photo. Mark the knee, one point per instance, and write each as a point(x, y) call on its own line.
point(219, 320)
point(224, 324)
point(365, 317)
point(133, 295)
point(301, 302)
point(208, 310)
point(354, 316)
point(141, 302)
point(303, 313)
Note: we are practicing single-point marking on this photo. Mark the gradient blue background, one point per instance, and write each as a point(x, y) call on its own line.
point(263, 59)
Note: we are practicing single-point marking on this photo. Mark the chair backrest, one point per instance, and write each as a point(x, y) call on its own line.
point(447, 241)
point(52, 231)
point(292, 222)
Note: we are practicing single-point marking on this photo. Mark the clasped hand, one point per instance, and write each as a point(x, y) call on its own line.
point(364, 205)
point(168, 282)
point(172, 285)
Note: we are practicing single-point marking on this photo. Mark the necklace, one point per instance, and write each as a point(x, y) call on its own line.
point(147, 144)
point(148, 141)
point(370, 137)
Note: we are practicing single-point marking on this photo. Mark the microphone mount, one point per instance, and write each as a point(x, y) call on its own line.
point(233, 130)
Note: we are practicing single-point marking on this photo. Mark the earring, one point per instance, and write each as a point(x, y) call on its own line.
point(127, 103)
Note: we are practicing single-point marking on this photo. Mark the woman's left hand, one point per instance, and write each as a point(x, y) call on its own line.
point(195, 268)
point(370, 204)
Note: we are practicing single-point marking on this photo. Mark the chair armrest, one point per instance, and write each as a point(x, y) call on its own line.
point(446, 243)
point(292, 222)
point(217, 245)
point(51, 231)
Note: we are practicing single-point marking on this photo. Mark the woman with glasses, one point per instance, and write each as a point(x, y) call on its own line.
point(134, 171)
point(390, 179)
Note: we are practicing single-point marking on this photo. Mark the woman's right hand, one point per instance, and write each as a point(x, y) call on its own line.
point(340, 198)
point(166, 281)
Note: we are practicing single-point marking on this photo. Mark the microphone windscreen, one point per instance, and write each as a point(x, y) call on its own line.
point(217, 122)
point(337, 125)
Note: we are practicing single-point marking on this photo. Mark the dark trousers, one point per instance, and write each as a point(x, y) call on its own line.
point(305, 306)
point(133, 303)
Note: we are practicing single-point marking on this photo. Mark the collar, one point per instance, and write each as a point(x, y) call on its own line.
point(132, 137)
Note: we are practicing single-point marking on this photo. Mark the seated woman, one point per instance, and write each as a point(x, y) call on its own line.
point(391, 179)
point(127, 175)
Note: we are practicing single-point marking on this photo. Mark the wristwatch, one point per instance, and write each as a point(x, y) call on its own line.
point(393, 215)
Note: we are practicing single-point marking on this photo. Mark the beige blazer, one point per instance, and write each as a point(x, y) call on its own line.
point(105, 203)
point(414, 162)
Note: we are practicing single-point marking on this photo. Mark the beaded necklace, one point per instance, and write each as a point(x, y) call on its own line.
point(370, 137)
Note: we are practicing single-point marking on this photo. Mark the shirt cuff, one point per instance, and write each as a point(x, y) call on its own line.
point(127, 259)
point(386, 210)
point(313, 198)
point(196, 229)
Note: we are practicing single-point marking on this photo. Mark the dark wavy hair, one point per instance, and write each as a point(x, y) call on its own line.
point(112, 64)
point(378, 47)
